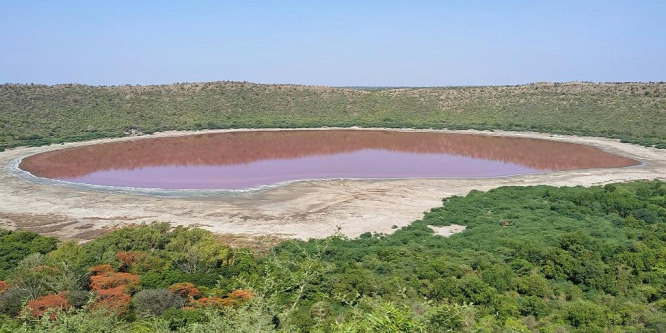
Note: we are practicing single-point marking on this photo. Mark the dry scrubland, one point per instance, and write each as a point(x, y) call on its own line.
point(37, 114)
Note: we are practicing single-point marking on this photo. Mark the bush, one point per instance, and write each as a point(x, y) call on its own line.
point(178, 318)
point(78, 298)
point(114, 300)
point(43, 304)
point(155, 280)
point(450, 317)
point(586, 315)
point(11, 301)
point(107, 280)
point(184, 289)
point(16, 245)
point(155, 301)
point(534, 285)
point(532, 305)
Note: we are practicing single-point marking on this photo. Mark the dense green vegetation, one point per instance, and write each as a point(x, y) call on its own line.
point(39, 114)
point(539, 258)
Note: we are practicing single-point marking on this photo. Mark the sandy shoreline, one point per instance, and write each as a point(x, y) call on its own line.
point(301, 209)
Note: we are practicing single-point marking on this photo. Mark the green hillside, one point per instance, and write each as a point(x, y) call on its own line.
point(39, 114)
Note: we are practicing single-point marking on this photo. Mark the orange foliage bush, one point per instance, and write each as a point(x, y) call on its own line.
point(100, 269)
point(235, 297)
point(244, 294)
point(185, 289)
point(112, 288)
point(129, 282)
point(216, 301)
point(126, 258)
point(3, 286)
point(38, 307)
point(129, 259)
point(114, 300)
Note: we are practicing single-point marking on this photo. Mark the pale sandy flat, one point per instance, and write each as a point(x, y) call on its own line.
point(299, 210)
point(447, 230)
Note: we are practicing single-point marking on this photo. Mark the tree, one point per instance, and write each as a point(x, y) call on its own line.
point(196, 250)
point(184, 289)
point(12, 300)
point(376, 315)
point(41, 305)
point(102, 279)
point(31, 275)
point(112, 288)
point(586, 315)
point(152, 302)
point(69, 261)
point(114, 300)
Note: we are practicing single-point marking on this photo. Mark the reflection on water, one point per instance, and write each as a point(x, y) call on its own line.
point(247, 159)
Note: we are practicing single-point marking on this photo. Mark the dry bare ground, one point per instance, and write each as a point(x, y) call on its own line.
point(307, 209)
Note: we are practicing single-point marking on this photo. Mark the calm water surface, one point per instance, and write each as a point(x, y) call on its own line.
point(240, 160)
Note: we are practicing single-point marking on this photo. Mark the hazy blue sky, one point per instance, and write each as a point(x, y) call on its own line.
point(377, 43)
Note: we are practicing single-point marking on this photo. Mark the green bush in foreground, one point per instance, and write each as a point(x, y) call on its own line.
point(532, 259)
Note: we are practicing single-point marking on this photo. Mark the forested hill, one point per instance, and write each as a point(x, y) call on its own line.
point(40, 114)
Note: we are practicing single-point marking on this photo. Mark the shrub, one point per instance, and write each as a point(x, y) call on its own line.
point(155, 280)
point(78, 298)
point(532, 305)
point(214, 302)
point(100, 269)
point(144, 263)
point(129, 282)
point(38, 307)
point(534, 285)
point(155, 301)
point(127, 259)
point(114, 300)
point(382, 317)
point(11, 301)
point(586, 315)
point(450, 317)
point(184, 289)
point(236, 297)
point(178, 318)
point(244, 294)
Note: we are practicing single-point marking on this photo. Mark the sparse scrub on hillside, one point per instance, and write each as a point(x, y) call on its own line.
point(39, 115)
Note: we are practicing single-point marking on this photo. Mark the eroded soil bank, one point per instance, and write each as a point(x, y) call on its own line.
point(301, 209)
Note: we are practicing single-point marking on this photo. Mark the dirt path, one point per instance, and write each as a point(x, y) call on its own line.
point(300, 210)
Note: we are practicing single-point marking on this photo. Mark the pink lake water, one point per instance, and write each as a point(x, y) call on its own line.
point(242, 160)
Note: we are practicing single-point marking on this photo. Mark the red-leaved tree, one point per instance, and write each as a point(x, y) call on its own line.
point(100, 269)
point(185, 289)
point(129, 282)
point(39, 306)
point(113, 300)
point(113, 288)
point(235, 297)
point(241, 294)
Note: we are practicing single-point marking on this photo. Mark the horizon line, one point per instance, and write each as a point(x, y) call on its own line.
point(360, 87)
